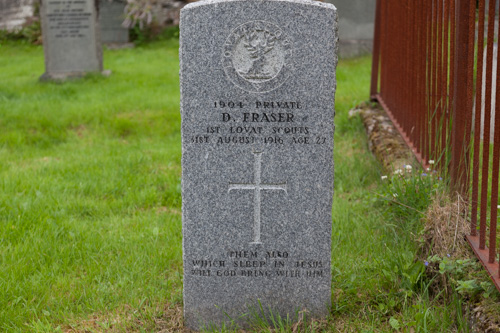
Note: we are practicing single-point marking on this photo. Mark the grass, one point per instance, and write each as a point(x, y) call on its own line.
point(90, 188)
point(90, 223)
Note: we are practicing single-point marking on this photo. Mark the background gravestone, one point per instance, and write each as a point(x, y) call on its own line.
point(356, 26)
point(257, 104)
point(111, 17)
point(70, 38)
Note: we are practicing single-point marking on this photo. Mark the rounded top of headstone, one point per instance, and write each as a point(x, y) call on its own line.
point(304, 2)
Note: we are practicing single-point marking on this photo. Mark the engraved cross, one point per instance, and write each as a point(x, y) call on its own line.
point(257, 186)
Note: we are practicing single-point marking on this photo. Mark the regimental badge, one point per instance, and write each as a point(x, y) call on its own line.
point(258, 56)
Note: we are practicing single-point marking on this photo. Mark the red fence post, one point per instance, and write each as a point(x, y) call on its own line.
point(462, 97)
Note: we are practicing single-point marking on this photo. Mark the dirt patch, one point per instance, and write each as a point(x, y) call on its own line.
point(80, 130)
point(168, 210)
point(171, 321)
point(384, 140)
point(166, 319)
point(481, 320)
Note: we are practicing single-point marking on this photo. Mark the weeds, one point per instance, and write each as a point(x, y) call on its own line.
point(409, 193)
point(31, 33)
point(410, 197)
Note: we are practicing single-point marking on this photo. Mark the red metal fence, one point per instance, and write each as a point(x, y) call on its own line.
point(434, 73)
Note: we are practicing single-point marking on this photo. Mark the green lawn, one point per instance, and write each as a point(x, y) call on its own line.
point(90, 204)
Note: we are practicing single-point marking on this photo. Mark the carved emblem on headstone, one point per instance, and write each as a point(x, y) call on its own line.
point(258, 56)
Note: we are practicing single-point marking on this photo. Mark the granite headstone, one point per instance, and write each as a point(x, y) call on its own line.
point(111, 17)
point(257, 104)
point(71, 38)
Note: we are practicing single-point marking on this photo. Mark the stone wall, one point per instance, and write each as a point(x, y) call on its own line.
point(356, 26)
point(14, 13)
point(166, 12)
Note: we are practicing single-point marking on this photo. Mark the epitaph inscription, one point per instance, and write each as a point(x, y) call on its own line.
point(69, 18)
point(257, 107)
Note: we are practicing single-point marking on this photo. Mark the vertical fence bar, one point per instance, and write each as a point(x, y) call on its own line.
point(376, 51)
point(470, 96)
point(399, 54)
point(462, 96)
point(477, 120)
point(439, 77)
point(451, 83)
point(445, 93)
point(494, 177)
point(496, 152)
point(389, 55)
point(486, 124)
point(404, 38)
point(401, 19)
point(408, 65)
point(418, 83)
point(430, 43)
point(414, 51)
point(428, 57)
point(382, 43)
point(423, 76)
point(433, 84)
point(387, 45)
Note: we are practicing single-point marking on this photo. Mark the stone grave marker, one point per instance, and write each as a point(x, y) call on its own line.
point(71, 39)
point(111, 17)
point(257, 103)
